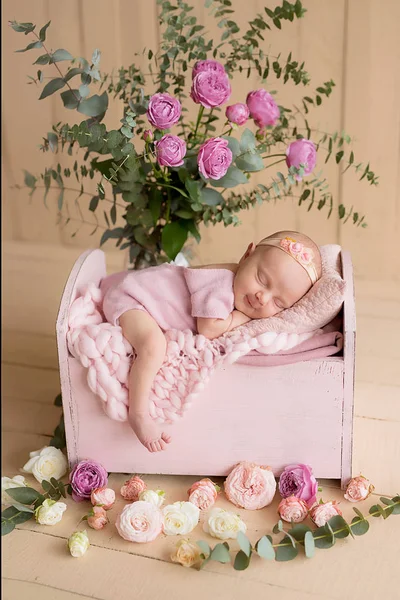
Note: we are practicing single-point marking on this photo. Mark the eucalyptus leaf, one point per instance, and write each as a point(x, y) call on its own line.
point(24, 495)
point(232, 178)
point(52, 86)
point(211, 197)
point(94, 106)
point(221, 554)
point(244, 543)
point(250, 162)
point(42, 33)
point(60, 55)
point(242, 561)
point(265, 549)
point(309, 544)
point(247, 141)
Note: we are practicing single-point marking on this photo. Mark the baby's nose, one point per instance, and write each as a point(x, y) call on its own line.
point(263, 297)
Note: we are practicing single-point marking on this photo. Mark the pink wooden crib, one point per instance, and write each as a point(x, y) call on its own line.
point(298, 413)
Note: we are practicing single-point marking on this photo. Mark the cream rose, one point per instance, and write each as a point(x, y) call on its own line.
point(186, 554)
point(50, 512)
point(203, 493)
point(8, 483)
point(103, 496)
point(78, 543)
point(46, 463)
point(154, 497)
point(358, 488)
point(180, 518)
point(223, 524)
point(321, 513)
point(250, 486)
point(140, 522)
point(292, 509)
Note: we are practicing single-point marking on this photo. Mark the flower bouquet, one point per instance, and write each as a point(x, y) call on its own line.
point(165, 175)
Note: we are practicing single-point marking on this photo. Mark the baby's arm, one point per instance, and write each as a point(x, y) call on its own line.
point(213, 328)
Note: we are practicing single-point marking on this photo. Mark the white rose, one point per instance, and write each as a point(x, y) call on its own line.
point(154, 497)
point(180, 518)
point(50, 512)
point(223, 524)
point(7, 483)
point(78, 543)
point(46, 463)
point(187, 553)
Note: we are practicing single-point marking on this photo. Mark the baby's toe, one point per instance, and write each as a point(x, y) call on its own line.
point(166, 437)
point(162, 444)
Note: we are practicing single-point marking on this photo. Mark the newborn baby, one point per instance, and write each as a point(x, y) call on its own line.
point(210, 300)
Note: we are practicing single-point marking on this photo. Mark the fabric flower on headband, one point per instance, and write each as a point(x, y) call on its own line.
point(299, 252)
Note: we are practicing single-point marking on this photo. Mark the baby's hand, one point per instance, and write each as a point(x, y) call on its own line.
point(238, 318)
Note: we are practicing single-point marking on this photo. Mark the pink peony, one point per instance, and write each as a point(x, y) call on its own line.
point(237, 113)
point(210, 66)
point(298, 480)
point(358, 488)
point(97, 518)
point(292, 509)
point(163, 111)
point(263, 108)
point(210, 89)
point(85, 477)
point(132, 488)
point(170, 150)
point(321, 513)
point(203, 493)
point(140, 522)
point(301, 151)
point(250, 486)
point(214, 158)
point(104, 497)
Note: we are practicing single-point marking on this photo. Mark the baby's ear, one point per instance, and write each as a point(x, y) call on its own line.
point(249, 252)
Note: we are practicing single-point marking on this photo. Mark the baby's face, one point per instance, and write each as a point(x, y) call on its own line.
point(267, 281)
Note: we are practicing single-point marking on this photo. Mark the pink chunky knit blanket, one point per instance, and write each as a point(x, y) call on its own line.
point(189, 362)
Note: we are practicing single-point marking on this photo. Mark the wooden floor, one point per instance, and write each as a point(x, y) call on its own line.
point(36, 563)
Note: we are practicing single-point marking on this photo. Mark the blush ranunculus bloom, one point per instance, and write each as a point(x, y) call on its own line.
point(163, 111)
point(321, 513)
point(210, 66)
point(298, 480)
point(132, 488)
point(263, 108)
point(140, 522)
point(302, 151)
point(292, 509)
point(97, 518)
point(210, 89)
point(358, 488)
point(214, 158)
point(103, 496)
point(237, 113)
point(250, 486)
point(203, 493)
point(170, 150)
point(85, 477)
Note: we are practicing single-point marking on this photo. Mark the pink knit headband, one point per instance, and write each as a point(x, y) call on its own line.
point(303, 255)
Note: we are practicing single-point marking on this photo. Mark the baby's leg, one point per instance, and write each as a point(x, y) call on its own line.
point(141, 330)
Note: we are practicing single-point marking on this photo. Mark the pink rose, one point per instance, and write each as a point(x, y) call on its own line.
point(298, 480)
point(97, 518)
point(132, 488)
point(250, 486)
point(263, 108)
point(148, 135)
point(210, 66)
point(358, 488)
point(214, 158)
point(203, 493)
point(321, 513)
point(301, 151)
point(163, 111)
point(140, 522)
point(292, 509)
point(170, 150)
point(210, 89)
point(103, 496)
point(87, 475)
point(237, 113)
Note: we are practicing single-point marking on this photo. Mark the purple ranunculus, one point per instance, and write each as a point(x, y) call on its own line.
point(85, 477)
point(163, 111)
point(301, 151)
point(214, 158)
point(210, 89)
point(212, 66)
point(170, 150)
point(263, 108)
point(298, 480)
point(237, 113)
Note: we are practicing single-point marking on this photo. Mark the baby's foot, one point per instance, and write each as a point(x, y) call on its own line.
point(148, 432)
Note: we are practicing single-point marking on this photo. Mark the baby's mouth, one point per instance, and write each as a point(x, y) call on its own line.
point(247, 298)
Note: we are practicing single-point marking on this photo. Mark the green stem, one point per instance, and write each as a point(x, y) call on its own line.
point(275, 163)
point(272, 155)
point(199, 116)
point(168, 207)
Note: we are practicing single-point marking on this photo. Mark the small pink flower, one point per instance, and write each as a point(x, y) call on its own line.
point(103, 496)
point(132, 488)
point(292, 509)
point(298, 480)
point(237, 113)
point(302, 152)
point(263, 108)
point(203, 493)
point(250, 486)
point(163, 111)
point(358, 488)
point(97, 518)
point(214, 158)
point(210, 66)
point(148, 135)
point(210, 89)
point(170, 151)
point(321, 513)
point(140, 522)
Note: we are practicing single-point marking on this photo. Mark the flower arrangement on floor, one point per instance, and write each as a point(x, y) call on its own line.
point(182, 179)
point(144, 518)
